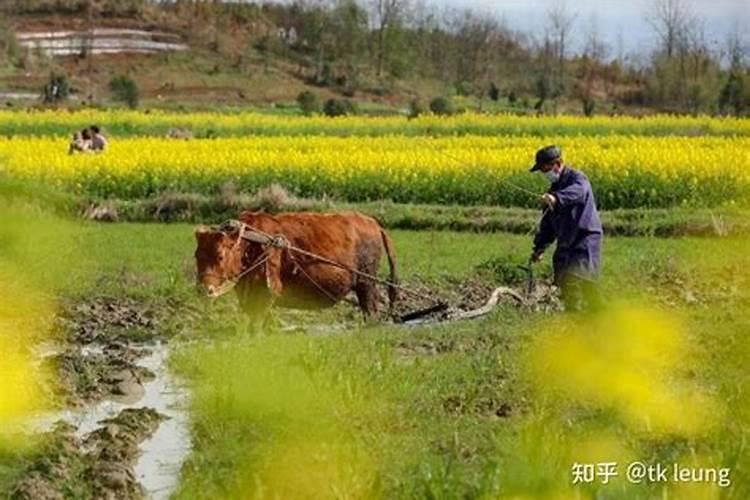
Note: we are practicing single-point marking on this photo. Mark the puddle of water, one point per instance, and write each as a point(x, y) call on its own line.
point(158, 467)
point(162, 455)
point(92, 350)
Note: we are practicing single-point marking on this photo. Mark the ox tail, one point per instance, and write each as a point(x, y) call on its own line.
point(390, 252)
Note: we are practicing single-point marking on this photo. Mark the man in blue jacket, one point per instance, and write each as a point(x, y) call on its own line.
point(570, 217)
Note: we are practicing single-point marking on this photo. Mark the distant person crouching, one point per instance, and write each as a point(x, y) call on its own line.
point(98, 140)
point(81, 142)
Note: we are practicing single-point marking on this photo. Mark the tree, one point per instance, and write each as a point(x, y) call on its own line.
point(311, 21)
point(9, 49)
point(474, 36)
point(348, 27)
point(56, 89)
point(339, 107)
point(560, 24)
point(494, 92)
point(589, 69)
point(442, 106)
point(416, 108)
point(669, 19)
point(542, 83)
point(733, 96)
point(387, 17)
point(125, 89)
point(308, 102)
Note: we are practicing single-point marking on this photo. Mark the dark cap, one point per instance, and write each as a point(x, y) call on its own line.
point(546, 155)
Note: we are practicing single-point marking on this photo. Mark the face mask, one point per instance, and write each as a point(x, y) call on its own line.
point(552, 176)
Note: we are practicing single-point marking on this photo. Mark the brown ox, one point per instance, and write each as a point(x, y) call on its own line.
point(279, 275)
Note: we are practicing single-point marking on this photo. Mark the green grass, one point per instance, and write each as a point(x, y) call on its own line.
point(448, 411)
point(414, 409)
point(622, 222)
point(421, 404)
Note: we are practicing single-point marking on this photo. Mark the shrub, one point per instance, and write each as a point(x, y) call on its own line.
point(588, 105)
point(416, 108)
point(442, 106)
point(57, 89)
point(464, 88)
point(494, 92)
point(125, 89)
point(339, 107)
point(732, 96)
point(308, 102)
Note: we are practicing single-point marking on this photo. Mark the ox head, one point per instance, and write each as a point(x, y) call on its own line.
point(218, 257)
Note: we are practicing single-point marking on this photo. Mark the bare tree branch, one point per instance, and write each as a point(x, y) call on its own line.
point(670, 19)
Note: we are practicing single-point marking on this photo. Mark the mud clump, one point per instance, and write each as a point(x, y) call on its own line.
point(52, 471)
point(114, 450)
point(99, 360)
point(100, 372)
point(421, 295)
point(465, 294)
point(101, 466)
point(108, 371)
point(103, 320)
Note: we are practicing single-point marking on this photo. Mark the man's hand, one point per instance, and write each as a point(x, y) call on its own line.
point(536, 255)
point(548, 200)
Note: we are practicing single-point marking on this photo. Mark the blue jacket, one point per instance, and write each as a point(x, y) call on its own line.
point(574, 223)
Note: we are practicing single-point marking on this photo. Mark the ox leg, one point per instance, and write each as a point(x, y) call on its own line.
point(366, 289)
point(256, 305)
point(367, 296)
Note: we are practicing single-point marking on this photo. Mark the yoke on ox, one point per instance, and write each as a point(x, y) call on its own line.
point(295, 260)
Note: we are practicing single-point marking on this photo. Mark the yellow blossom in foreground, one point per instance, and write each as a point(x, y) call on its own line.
point(628, 360)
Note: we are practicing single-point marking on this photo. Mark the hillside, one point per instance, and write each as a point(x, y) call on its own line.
point(229, 54)
point(198, 77)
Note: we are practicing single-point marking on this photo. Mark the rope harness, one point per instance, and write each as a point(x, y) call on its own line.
point(230, 283)
point(255, 235)
point(268, 241)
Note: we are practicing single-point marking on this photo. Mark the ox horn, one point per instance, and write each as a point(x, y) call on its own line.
point(201, 229)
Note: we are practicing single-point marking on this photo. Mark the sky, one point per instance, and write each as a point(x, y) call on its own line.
point(613, 17)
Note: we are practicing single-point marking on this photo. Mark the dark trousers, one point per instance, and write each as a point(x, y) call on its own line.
point(578, 293)
point(576, 272)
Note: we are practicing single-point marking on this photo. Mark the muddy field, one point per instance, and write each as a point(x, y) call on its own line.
point(157, 393)
point(120, 430)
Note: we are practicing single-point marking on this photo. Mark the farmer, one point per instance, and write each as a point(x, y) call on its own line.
point(570, 217)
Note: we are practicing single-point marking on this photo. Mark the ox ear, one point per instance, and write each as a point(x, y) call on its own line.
point(229, 226)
